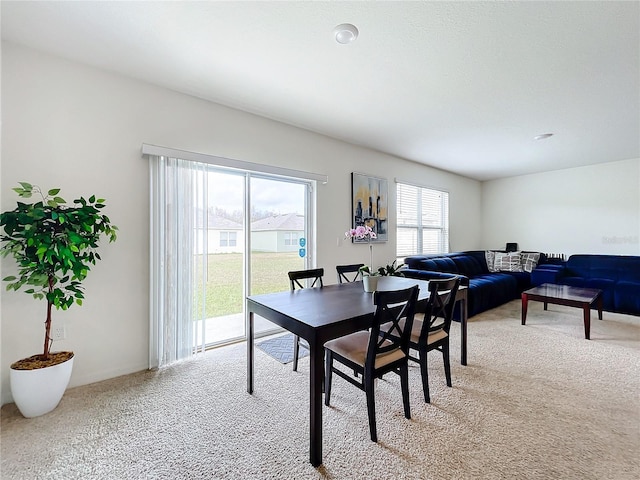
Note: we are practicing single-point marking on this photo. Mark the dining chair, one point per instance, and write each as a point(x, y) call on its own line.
point(374, 353)
point(345, 272)
point(430, 329)
point(296, 280)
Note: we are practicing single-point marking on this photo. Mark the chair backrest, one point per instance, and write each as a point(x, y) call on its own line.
point(344, 271)
point(442, 300)
point(394, 308)
point(296, 276)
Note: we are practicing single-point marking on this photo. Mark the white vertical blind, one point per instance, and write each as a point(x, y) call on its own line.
point(422, 220)
point(176, 191)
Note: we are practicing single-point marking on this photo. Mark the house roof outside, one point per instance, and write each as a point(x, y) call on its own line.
point(218, 222)
point(289, 222)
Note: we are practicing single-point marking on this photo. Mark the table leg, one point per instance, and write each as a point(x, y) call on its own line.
point(587, 321)
point(250, 362)
point(316, 354)
point(525, 303)
point(599, 307)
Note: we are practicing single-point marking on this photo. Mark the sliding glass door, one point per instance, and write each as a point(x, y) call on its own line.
point(220, 230)
point(219, 284)
point(255, 230)
point(278, 235)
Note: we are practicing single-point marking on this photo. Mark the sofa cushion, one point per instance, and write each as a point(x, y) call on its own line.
point(490, 290)
point(523, 280)
point(445, 264)
point(627, 297)
point(425, 265)
point(545, 274)
point(607, 286)
point(629, 269)
point(508, 262)
point(574, 281)
point(467, 265)
point(594, 266)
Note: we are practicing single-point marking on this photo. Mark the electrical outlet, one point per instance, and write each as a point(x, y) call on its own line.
point(58, 332)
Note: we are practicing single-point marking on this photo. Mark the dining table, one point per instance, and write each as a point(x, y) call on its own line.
point(322, 314)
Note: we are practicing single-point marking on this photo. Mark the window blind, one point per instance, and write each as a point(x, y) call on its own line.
point(422, 220)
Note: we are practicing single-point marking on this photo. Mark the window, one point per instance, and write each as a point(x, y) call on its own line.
point(422, 220)
point(291, 238)
point(228, 239)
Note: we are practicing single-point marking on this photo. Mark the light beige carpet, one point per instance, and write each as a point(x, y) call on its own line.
point(535, 402)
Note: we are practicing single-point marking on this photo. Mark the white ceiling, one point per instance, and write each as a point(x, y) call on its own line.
point(462, 86)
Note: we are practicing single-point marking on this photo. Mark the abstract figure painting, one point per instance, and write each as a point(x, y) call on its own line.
point(370, 197)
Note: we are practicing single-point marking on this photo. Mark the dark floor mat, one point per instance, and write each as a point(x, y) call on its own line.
point(281, 348)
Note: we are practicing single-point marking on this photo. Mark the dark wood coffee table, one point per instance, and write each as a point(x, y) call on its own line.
point(565, 295)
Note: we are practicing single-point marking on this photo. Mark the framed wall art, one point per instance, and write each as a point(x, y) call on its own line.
point(369, 205)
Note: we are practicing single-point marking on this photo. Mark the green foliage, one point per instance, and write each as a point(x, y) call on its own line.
point(391, 270)
point(387, 270)
point(222, 293)
point(53, 244)
point(366, 271)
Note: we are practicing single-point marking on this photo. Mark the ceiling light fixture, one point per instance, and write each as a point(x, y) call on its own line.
point(345, 33)
point(543, 136)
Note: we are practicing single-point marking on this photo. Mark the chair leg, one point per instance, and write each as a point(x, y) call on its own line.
point(296, 351)
point(404, 383)
point(447, 364)
point(371, 406)
point(328, 372)
point(425, 375)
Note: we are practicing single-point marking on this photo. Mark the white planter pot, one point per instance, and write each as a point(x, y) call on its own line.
point(370, 283)
point(39, 391)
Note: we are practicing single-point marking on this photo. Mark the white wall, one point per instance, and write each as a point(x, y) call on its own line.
point(78, 128)
point(593, 209)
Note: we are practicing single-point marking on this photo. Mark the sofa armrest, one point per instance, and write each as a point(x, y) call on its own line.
point(431, 275)
point(546, 273)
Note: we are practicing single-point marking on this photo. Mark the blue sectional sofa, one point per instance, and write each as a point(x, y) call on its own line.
point(486, 289)
point(618, 276)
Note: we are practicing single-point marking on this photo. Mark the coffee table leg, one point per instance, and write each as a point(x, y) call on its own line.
point(587, 321)
point(599, 307)
point(525, 302)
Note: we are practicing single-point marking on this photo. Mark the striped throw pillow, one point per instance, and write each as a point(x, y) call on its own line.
point(490, 257)
point(529, 261)
point(508, 262)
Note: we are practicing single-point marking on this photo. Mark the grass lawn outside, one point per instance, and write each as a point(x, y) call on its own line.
point(223, 289)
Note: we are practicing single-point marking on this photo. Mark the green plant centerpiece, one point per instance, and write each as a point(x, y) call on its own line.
point(54, 245)
point(388, 270)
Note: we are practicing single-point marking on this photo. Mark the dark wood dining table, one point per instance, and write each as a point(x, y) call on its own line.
point(322, 314)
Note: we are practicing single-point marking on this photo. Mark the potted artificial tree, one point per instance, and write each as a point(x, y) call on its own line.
point(54, 245)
